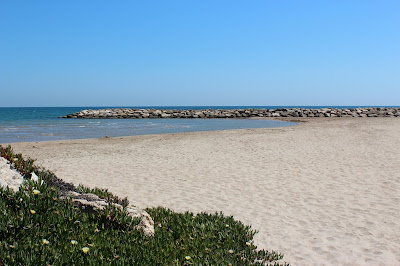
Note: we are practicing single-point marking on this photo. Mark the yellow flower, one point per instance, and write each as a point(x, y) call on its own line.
point(96, 230)
point(230, 251)
point(35, 191)
point(85, 250)
point(45, 242)
point(74, 242)
point(32, 211)
point(187, 257)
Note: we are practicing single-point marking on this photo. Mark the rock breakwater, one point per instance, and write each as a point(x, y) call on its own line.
point(235, 113)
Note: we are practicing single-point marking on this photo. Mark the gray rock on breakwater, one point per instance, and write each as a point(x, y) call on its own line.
point(236, 113)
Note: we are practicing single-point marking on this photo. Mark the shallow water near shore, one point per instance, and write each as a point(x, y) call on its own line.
point(43, 124)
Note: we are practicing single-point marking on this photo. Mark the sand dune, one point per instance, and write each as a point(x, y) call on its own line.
point(326, 192)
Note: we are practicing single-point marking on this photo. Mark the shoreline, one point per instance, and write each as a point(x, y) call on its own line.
point(281, 119)
point(32, 131)
point(321, 192)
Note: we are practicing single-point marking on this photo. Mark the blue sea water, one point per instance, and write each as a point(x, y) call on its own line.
point(28, 124)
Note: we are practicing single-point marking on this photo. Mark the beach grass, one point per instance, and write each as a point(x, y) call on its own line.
point(37, 227)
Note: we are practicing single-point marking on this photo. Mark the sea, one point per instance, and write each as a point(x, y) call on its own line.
point(33, 124)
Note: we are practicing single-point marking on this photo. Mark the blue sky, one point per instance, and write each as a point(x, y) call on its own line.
point(155, 53)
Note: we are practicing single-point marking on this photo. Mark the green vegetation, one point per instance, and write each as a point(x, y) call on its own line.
point(39, 228)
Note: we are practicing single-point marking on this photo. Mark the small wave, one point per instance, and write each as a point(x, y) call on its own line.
point(81, 126)
point(48, 134)
point(10, 128)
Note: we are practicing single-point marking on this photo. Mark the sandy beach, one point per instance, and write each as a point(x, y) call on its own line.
point(325, 192)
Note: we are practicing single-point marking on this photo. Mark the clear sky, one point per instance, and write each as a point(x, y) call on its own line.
point(163, 53)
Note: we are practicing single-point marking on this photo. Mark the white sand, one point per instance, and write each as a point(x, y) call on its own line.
point(326, 192)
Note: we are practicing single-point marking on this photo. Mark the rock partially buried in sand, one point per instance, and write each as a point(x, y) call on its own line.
point(146, 224)
point(9, 177)
point(91, 203)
